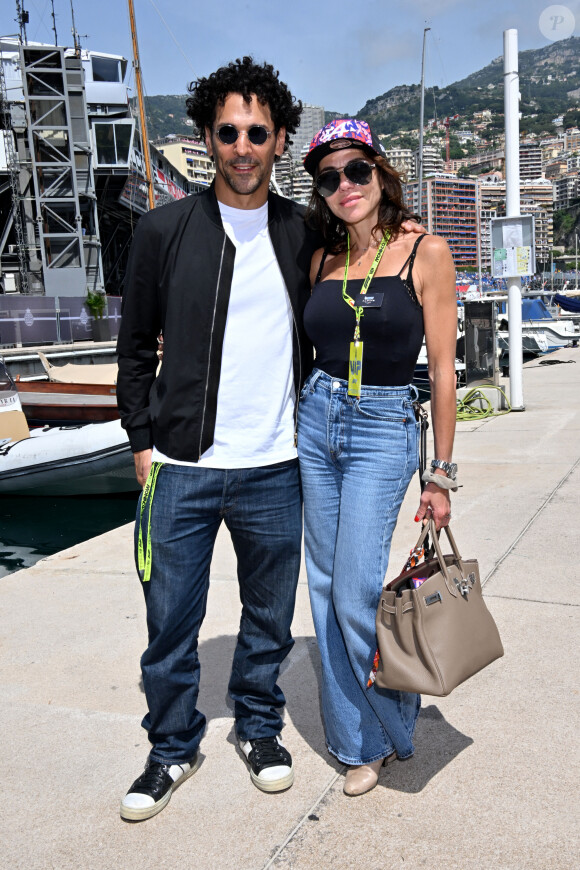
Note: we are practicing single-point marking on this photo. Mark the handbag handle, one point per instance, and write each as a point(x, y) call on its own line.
point(424, 532)
point(439, 553)
point(429, 529)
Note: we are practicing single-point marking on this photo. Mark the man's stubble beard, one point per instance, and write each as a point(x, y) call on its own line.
point(244, 185)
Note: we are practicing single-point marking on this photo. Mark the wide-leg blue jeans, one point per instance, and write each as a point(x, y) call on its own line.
point(357, 457)
point(262, 509)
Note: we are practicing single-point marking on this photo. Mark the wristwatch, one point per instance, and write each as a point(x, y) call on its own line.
point(450, 468)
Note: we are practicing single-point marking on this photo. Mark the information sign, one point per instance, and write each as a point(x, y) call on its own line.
point(513, 248)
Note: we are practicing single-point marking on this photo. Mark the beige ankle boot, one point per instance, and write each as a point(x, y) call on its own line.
point(364, 777)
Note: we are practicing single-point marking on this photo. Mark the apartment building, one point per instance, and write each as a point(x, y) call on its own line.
point(190, 157)
point(432, 161)
point(491, 205)
point(449, 209)
point(536, 198)
point(565, 189)
point(311, 121)
point(551, 148)
point(301, 180)
point(293, 181)
point(289, 171)
point(530, 160)
point(572, 139)
point(403, 160)
point(291, 177)
point(556, 168)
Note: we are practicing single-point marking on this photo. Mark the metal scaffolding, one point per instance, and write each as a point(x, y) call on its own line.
point(14, 178)
point(62, 170)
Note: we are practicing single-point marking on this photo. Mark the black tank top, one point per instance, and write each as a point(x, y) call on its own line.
point(392, 334)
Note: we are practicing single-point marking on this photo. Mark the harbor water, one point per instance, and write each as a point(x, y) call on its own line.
point(33, 527)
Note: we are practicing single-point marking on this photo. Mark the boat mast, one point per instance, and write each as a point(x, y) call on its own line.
point(143, 119)
point(75, 35)
point(54, 22)
point(22, 19)
point(421, 119)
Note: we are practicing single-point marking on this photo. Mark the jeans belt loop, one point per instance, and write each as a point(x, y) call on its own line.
point(315, 377)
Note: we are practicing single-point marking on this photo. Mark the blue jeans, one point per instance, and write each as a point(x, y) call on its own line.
point(357, 457)
point(262, 509)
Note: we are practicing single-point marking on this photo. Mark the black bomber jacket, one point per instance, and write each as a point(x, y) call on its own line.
point(178, 282)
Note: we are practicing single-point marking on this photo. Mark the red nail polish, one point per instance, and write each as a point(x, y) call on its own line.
point(417, 518)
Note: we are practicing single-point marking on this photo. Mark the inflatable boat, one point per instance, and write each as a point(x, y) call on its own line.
point(80, 460)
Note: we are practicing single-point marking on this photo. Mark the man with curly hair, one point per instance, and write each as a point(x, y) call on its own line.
point(223, 275)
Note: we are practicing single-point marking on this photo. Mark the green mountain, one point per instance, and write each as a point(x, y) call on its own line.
point(166, 114)
point(549, 85)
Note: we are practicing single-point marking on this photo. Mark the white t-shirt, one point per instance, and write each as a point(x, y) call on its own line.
point(255, 408)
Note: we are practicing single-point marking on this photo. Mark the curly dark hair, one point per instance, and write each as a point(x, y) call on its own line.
point(392, 210)
point(244, 77)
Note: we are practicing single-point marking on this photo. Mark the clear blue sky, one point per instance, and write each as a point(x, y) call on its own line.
point(336, 54)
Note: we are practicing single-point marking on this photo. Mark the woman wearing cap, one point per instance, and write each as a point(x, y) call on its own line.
point(376, 291)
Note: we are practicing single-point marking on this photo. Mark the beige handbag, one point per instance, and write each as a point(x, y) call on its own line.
point(435, 636)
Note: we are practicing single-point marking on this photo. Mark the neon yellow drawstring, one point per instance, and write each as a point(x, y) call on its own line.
point(144, 558)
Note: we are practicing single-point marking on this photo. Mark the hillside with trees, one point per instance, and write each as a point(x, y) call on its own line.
point(549, 85)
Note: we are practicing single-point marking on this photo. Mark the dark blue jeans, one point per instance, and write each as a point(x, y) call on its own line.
point(262, 510)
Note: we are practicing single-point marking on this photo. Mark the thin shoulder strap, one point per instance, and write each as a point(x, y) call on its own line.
point(411, 258)
point(321, 267)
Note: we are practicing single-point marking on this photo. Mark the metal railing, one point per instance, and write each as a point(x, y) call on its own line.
point(27, 321)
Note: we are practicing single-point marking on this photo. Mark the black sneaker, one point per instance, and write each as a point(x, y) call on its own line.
point(152, 790)
point(271, 767)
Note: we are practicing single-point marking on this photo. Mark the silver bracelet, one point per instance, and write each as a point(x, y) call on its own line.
point(440, 480)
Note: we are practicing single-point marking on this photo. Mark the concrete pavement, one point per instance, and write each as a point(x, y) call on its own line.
point(493, 782)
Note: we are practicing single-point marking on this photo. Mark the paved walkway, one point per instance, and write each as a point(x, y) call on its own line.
point(493, 783)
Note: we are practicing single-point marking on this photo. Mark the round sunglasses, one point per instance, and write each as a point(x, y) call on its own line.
point(357, 171)
point(257, 134)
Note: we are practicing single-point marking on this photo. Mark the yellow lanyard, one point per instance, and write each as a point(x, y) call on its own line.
point(355, 357)
point(358, 310)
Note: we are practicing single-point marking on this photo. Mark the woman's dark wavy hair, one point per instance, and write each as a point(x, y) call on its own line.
point(244, 77)
point(392, 210)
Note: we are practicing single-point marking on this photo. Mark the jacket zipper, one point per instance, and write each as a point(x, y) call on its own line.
point(210, 347)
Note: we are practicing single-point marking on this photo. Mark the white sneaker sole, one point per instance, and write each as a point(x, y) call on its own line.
point(275, 784)
point(139, 814)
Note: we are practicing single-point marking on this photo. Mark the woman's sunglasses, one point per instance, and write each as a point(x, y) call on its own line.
point(357, 171)
point(257, 134)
